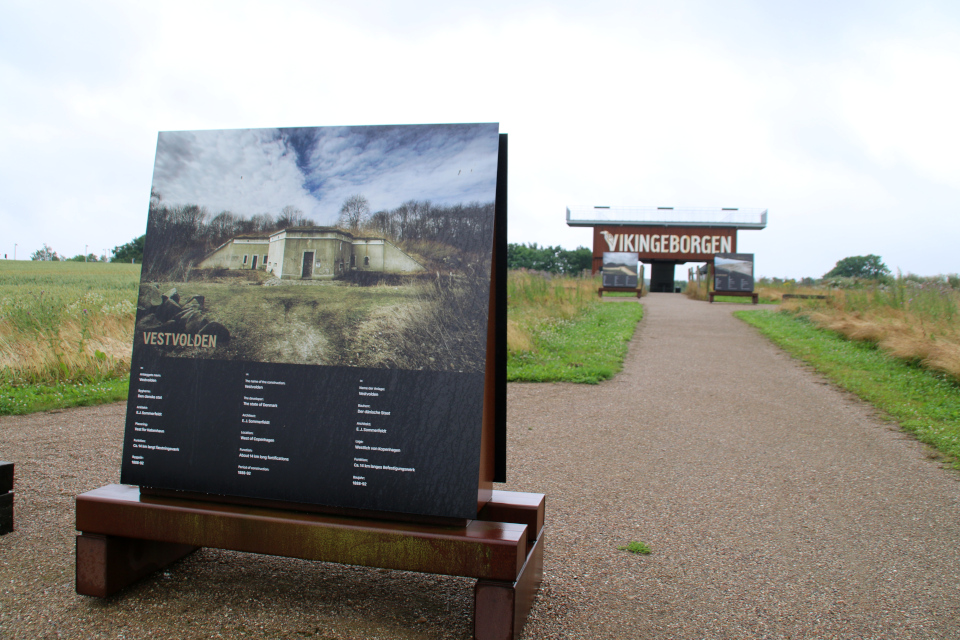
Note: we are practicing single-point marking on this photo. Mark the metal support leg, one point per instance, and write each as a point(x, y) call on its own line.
point(501, 608)
point(107, 564)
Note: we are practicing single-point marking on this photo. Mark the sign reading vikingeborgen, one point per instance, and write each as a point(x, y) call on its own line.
point(313, 316)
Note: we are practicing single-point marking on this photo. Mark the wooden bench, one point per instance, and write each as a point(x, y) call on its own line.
point(125, 536)
point(736, 294)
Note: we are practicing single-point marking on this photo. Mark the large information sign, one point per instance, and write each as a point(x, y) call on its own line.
point(733, 272)
point(313, 316)
point(620, 269)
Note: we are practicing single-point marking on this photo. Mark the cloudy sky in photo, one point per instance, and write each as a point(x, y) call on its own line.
point(838, 117)
point(251, 171)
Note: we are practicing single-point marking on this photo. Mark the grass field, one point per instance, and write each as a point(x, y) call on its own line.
point(65, 332)
point(925, 403)
point(917, 322)
point(913, 318)
point(559, 330)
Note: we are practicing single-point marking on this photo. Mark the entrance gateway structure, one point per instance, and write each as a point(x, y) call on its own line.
point(664, 236)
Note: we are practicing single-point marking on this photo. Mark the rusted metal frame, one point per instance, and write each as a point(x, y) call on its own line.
point(600, 245)
point(149, 493)
point(755, 297)
point(517, 507)
point(490, 550)
point(107, 564)
point(6, 497)
point(601, 290)
point(501, 608)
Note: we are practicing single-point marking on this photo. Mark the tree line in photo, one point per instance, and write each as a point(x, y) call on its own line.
point(549, 259)
point(179, 236)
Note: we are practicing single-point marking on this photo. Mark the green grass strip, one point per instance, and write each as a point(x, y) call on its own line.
point(19, 400)
point(924, 403)
point(587, 349)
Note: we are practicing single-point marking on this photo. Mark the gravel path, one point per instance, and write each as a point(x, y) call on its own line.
point(776, 506)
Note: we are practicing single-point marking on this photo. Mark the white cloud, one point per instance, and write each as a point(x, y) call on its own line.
point(902, 99)
point(243, 171)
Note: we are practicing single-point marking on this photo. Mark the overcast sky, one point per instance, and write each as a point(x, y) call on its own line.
point(841, 118)
point(251, 171)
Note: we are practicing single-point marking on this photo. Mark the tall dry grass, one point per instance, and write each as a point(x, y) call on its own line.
point(696, 290)
point(65, 321)
point(918, 322)
point(766, 293)
point(535, 299)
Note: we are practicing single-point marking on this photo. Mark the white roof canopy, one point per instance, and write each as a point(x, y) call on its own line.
point(589, 216)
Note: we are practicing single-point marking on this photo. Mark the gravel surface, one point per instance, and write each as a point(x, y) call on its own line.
point(776, 507)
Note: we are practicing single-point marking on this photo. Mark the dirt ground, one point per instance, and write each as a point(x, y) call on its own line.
point(776, 507)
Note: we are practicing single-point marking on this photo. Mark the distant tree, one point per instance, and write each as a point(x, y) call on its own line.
point(868, 267)
point(46, 254)
point(221, 227)
point(382, 222)
point(552, 259)
point(81, 258)
point(290, 216)
point(130, 252)
point(262, 223)
point(354, 212)
point(577, 260)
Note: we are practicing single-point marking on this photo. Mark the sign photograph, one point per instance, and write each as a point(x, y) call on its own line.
point(313, 316)
point(620, 269)
point(733, 272)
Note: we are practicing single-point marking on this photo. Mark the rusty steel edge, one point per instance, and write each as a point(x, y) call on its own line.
point(483, 550)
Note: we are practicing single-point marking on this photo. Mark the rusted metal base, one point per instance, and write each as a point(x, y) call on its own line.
point(107, 564)
point(6, 497)
point(755, 297)
point(601, 290)
point(126, 536)
point(500, 609)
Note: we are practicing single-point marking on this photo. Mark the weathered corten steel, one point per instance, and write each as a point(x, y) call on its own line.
point(659, 243)
point(107, 564)
point(517, 507)
point(601, 290)
point(501, 609)
point(494, 551)
point(125, 537)
point(736, 294)
point(6, 497)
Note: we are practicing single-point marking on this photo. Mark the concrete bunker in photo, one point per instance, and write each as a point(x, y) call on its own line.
point(311, 253)
point(664, 237)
